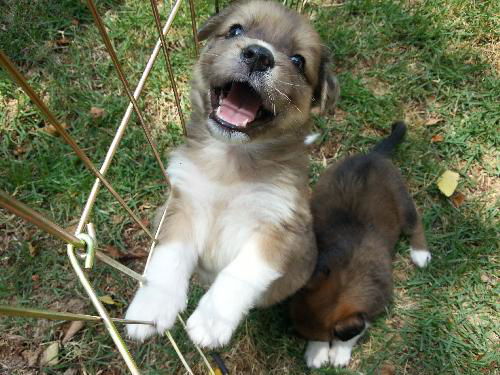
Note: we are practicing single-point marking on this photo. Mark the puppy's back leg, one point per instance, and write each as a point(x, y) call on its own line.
point(412, 226)
point(419, 252)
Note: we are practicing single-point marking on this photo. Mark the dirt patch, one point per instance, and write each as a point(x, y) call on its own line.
point(11, 356)
point(487, 186)
point(491, 52)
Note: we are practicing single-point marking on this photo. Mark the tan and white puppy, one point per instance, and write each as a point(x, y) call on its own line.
point(238, 211)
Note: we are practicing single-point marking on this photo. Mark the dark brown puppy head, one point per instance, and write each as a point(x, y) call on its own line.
point(321, 311)
point(262, 69)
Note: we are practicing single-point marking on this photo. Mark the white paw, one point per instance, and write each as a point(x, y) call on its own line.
point(156, 304)
point(340, 354)
point(317, 353)
point(209, 326)
point(311, 138)
point(421, 258)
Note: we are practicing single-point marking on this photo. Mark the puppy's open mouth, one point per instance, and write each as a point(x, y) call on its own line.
point(237, 106)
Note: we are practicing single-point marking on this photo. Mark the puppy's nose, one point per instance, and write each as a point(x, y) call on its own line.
point(258, 58)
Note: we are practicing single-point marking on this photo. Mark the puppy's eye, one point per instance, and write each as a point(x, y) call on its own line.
point(299, 62)
point(235, 30)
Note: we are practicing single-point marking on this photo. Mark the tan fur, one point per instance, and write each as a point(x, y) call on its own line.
point(239, 210)
point(276, 154)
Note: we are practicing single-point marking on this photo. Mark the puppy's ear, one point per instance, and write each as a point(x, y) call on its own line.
point(327, 91)
point(349, 327)
point(208, 28)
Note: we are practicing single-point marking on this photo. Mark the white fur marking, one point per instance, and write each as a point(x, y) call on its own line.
point(231, 296)
point(421, 257)
point(317, 353)
point(229, 231)
point(164, 294)
point(311, 138)
point(340, 352)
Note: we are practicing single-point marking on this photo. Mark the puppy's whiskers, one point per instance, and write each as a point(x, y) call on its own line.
point(281, 93)
point(287, 98)
point(289, 83)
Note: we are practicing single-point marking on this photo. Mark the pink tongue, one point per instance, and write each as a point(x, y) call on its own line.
point(240, 106)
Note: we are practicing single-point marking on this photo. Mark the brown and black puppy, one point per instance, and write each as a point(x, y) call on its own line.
point(360, 206)
point(238, 213)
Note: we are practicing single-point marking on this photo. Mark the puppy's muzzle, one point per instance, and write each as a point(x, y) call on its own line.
point(258, 58)
point(237, 104)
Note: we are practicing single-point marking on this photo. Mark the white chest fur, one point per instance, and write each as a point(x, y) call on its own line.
point(226, 210)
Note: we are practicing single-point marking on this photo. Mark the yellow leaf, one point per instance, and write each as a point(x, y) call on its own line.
point(107, 300)
point(448, 182)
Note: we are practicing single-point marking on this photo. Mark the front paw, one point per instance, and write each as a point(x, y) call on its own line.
point(207, 327)
point(155, 304)
point(317, 353)
point(420, 258)
point(340, 355)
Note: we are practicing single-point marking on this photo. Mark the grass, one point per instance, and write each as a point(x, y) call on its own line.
point(433, 63)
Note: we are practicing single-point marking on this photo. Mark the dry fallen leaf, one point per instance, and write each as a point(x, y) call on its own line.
point(388, 369)
point(50, 355)
point(71, 228)
point(437, 138)
point(117, 219)
point(448, 182)
point(51, 129)
point(145, 206)
point(457, 199)
point(135, 254)
point(31, 356)
point(32, 249)
point(433, 120)
point(488, 279)
point(107, 300)
point(112, 251)
point(73, 328)
point(63, 42)
point(96, 112)
point(19, 150)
